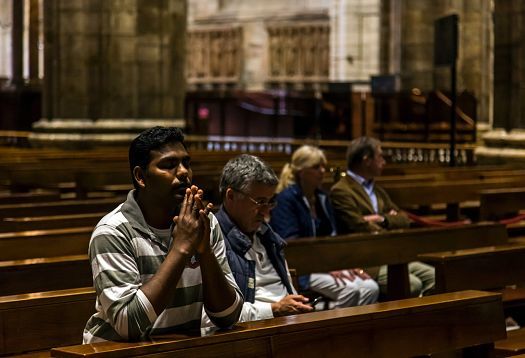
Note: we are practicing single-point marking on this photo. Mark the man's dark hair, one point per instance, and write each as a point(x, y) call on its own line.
point(360, 148)
point(151, 139)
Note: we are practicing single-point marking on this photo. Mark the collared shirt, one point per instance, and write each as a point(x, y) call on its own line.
point(124, 254)
point(368, 185)
point(269, 288)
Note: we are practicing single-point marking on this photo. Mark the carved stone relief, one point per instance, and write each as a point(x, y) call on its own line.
point(214, 55)
point(299, 52)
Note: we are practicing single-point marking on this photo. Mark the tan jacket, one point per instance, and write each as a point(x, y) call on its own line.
point(351, 203)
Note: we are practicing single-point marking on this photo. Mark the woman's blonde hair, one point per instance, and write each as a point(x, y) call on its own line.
point(305, 156)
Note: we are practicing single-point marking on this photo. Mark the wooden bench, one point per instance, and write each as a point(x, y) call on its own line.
point(38, 321)
point(451, 193)
point(501, 204)
point(30, 197)
point(403, 328)
point(497, 204)
point(395, 248)
point(489, 267)
point(60, 207)
point(485, 268)
point(44, 243)
point(44, 274)
point(46, 222)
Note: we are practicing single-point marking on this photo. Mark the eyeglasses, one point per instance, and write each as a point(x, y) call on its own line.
point(270, 204)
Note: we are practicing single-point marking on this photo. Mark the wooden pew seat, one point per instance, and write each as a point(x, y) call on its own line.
point(403, 328)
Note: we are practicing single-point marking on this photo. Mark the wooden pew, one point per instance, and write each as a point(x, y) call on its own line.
point(512, 345)
point(46, 222)
point(501, 204)
point(30, 197)
point(44, 274)
point(451, 193)
point(486, 268)
point(497, 204)
point(60, 207)
point(395, 248)
point(38, 321)
point(403, 328)
point(44, 243)
point(336, 253)
point(489, 267)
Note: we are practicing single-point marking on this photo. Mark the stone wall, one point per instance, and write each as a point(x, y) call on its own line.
point(114, 59)
point(353, 35)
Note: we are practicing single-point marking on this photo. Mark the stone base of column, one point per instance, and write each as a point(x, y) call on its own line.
point(88, 134)
point(502, 147)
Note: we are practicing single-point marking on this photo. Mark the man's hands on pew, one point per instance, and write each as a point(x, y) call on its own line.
point(291, 304)
point(350, 275)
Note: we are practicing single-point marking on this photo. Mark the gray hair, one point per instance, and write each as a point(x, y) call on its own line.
point(360, 148)
point(243, 171)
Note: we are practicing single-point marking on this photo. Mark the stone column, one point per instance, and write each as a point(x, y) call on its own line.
point(17, 44)
point(506, 142)
point(34, 31)
point(417, 43)
point(112, 68)
point(407, 47)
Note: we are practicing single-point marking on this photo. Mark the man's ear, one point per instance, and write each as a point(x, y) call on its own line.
point(228, 196)
point(139, 177)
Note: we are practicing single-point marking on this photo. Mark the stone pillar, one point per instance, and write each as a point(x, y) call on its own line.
point(34, 31)
point(112, 68)
point(417, 39)
point(17, 44)
point(476, 61)
point(407, 47)
point(6, 24)
point(390, 37)
point(506, 142)
point(509, 70)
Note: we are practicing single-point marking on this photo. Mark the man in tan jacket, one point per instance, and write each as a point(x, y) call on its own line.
point(362, 206)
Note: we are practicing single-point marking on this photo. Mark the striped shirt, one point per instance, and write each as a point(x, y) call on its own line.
point(124, 254)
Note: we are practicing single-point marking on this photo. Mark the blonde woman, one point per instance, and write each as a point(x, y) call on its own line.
point(304, 210)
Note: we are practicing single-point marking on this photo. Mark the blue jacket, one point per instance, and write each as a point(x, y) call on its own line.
point(237, 244)
point(291, 218)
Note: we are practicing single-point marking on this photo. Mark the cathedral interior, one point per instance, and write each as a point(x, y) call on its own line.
point(87, 71)
point(441, 85)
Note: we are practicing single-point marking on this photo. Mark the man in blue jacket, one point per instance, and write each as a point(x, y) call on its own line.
point(254, 250)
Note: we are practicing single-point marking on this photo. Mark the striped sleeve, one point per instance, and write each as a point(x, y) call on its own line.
point(117, 280)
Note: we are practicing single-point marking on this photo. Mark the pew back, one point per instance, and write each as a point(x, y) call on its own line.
point(491, 267)
point(497, 204)
point(44, 274)
point(43, 320)
point(397, 329)
point(392, 247)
